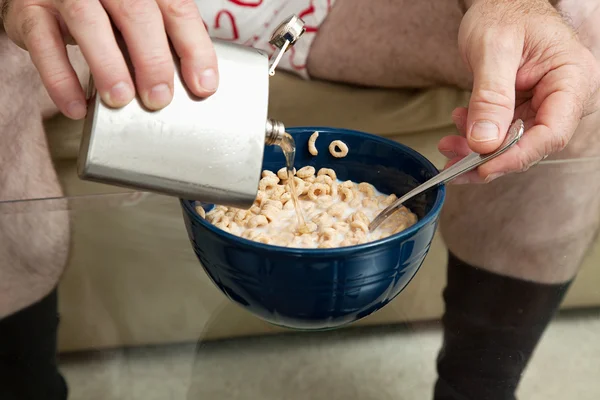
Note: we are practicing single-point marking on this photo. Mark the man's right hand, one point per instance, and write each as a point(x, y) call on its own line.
point(43, 27)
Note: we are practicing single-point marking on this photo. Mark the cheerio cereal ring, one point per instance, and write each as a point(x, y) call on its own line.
point(338, 149)
point(312, 140)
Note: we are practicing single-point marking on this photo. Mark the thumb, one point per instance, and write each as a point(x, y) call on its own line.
point(492, 103)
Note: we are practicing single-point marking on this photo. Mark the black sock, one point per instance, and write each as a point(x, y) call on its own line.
point(28, 365)
point(492, 324)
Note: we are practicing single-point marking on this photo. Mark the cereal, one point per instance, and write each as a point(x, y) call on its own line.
point(266, 173)
point(338, 149)
point(325, 201)
point(312, 140)
point(359, 225)
point(355, 203)
point(367, 189)
point(317, 189)
point(255, 209)
point(301, 186)
point(200, 211)
point(346, 195)
point(337, 210)
point(329, 172)
point(387, 201)
point(337, 214)
point(334, 189)
point(370, 203)
point(259, 220)
point(215, 216)
point(283, 173)
point(268, 183)
point(240, 216)
point(250, 234)
point(324, 179)
point(305, 172)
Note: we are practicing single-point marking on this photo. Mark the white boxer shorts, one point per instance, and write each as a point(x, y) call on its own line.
point(252, 22)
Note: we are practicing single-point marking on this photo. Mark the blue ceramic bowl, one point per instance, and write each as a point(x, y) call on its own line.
point(315, 289)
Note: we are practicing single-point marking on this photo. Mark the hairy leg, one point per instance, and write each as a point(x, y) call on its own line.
point(390, 43)
point(33, 243)
point(511, 225)
point(515, 244)
point(537, 225)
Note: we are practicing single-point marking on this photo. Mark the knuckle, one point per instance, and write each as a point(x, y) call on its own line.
point(524, 162)
point(156, 63)
point(557, 144)
point(137, 10)
point(74, 10)
point(23, 21)
point(57, 80)
point(185, 9)
point(27, 25)
point(491, 94)
point(5, 7)
point(496, 40)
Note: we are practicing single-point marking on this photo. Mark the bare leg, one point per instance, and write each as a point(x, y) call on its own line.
point(531, 225)
point(516, 243)
point(390, 43)
point(33, 245)
point(512, 230)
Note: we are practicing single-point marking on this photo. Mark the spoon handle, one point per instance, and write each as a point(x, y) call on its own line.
point(467, 164)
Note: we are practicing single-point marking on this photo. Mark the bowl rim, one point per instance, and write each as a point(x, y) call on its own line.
point(303, 252)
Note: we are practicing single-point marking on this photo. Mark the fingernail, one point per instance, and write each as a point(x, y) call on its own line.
point(76, 109)
point(120, 94)
point(484, 131)
point(208, 80)
point(460, 180)
point(493, 177)
point(160, 96)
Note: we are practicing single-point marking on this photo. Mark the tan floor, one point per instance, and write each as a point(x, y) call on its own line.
point(380, 363)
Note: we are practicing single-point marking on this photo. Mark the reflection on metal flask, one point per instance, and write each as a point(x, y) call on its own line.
point(209, 150)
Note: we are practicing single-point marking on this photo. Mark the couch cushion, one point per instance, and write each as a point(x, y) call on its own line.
point(383, 112)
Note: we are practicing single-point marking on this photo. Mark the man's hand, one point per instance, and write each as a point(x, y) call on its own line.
point(44, 26)
point(527, 63)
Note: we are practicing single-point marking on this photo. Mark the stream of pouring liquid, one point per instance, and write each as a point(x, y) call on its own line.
point(288, 146)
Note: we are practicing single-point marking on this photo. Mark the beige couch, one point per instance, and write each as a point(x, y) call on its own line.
point(133, 279)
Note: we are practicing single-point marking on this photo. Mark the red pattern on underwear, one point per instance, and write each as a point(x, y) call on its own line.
point(293, 62)
point(233, 29)
point(246, 3)
point(246, 22)
point(307, 13)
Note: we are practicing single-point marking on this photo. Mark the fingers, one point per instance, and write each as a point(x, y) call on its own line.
point(555, 123)
point(192, 44)
point(560, 105)
point(454, 146)
point(141, 24)
point(42, 37)
point(90, 26)
point(494, 63)
point(459, 117)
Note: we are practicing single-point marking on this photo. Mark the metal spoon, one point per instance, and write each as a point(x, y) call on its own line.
point(467, 164)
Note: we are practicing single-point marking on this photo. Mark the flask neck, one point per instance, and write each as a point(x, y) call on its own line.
point(274, 132)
